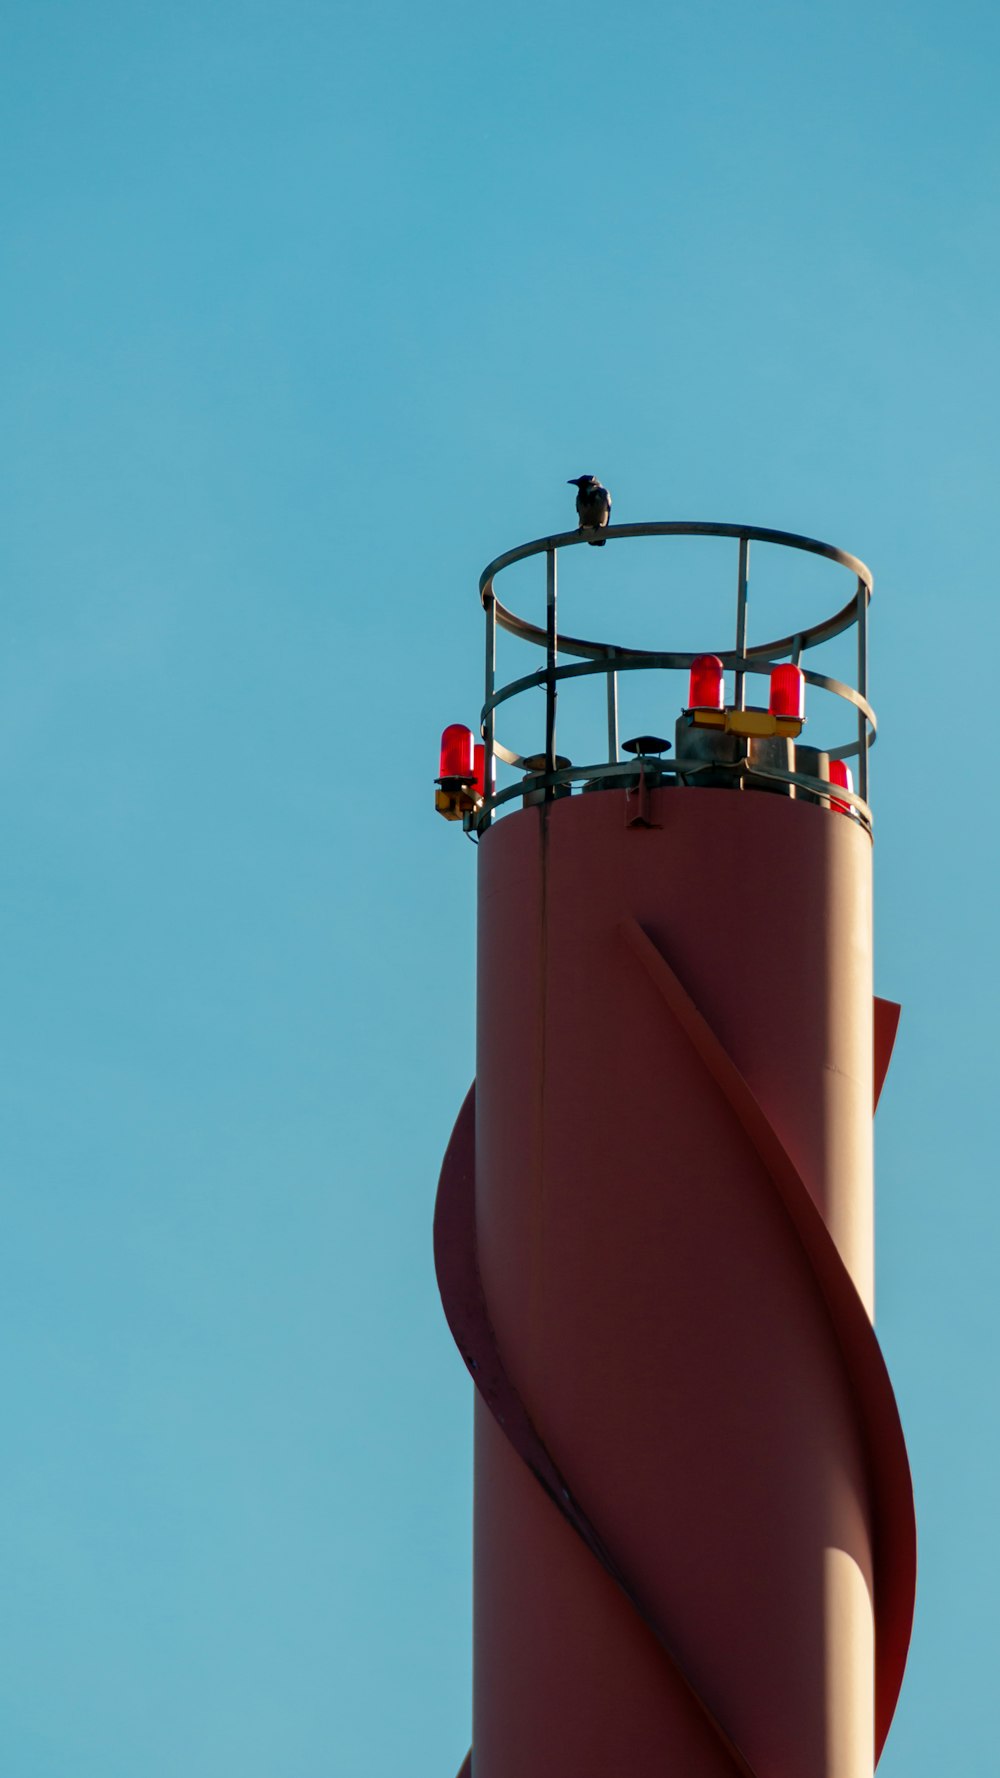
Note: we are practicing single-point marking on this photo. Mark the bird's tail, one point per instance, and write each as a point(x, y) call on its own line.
point(597, 542)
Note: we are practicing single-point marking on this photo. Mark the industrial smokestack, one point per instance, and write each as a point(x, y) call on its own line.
point(694, 1537)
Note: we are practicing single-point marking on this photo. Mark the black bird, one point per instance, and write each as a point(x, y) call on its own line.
point(593, 505)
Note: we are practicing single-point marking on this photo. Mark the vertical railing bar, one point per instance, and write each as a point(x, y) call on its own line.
point(863, 688)
point(612, 715)
point(739, 697)
point(489, 781)
point(551, 654)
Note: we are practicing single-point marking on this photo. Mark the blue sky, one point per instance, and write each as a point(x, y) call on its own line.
point(308, 312)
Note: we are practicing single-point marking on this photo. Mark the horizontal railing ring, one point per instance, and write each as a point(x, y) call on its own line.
point(812, 637)
point(535, 781)
point(849, 750)
point(731, 662)
point(676, 528)
point(803, 639)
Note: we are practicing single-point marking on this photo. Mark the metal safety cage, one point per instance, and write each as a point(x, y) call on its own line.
point(743, 659)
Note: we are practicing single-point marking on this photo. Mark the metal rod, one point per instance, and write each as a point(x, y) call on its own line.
point(551, 647)
point(489, 720)
point(612, 716)
point(741, 620)
point(863, 688)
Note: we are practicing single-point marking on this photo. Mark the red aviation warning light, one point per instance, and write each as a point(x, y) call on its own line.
point(840, 773)
point(457, 752)
point(462, 772)
point(705, 685)
point(788, 692)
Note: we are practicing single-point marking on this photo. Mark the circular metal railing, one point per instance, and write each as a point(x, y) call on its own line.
point(611, 659)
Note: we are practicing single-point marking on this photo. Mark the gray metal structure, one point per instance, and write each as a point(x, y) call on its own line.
point(611, 659)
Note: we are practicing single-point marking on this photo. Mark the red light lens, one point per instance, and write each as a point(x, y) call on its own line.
point(456, 752)
point(479, 766)
point(705, 685)
point(788, 692)
point(840, 773)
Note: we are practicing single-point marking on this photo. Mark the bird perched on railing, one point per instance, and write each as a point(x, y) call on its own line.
point(593, 505)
